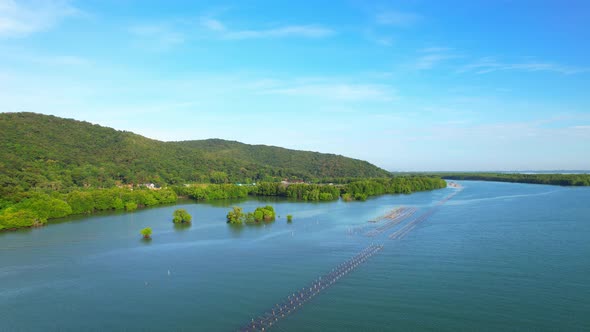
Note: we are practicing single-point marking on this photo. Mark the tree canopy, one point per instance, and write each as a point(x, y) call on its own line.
point(262, 213)
point(180, 216)
point(34, 208)
point(146, 232)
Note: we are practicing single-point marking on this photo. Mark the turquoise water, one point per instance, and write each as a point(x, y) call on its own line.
point(497, 256)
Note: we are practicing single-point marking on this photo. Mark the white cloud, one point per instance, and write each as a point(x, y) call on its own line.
point(432, 57)
point(157, 36)
point(165, 35)
point(435, 49)
point(397, 18)
point(28, 58)
point(336, 91)
point(489, 65)
point(429, 61)
point(378, 38)
point(212, 24)
point(61, 60)
point(384, 41)
point(303, 31)
point(20, 19)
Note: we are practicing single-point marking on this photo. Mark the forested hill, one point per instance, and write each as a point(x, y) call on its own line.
point(42, 151)
point(317, 164)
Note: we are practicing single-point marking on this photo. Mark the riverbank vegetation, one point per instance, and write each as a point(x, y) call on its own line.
point(553, 179)
point(360, 189)
point(34, 208)
point(31, 209)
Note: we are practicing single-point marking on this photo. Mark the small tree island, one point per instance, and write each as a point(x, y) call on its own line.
point(181, 217)
point(147, 233)
point(263, 213)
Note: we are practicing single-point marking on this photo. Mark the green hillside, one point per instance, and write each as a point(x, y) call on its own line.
point(48, 152)
point(313, 164)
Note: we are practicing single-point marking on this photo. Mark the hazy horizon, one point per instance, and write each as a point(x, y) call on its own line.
point(414, 86)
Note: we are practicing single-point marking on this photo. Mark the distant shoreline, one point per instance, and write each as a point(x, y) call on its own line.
point(567, 180)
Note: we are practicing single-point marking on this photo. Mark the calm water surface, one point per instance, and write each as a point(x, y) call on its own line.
point(497, 256)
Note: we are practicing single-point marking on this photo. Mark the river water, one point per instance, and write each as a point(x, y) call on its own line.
point(496, 256)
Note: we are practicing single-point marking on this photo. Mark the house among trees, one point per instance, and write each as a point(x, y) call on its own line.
point(288, 182)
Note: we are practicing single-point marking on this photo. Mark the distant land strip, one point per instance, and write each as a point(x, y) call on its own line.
point(551, 179)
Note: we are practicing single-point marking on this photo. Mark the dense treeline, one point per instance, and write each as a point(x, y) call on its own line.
point(553, 179)
point(209, 192)
point(360, 190)
point(40, 152)
point(357, 190)
point(35, 208)
point(304, 192)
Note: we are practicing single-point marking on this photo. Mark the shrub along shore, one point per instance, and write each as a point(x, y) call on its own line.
point(35, 208)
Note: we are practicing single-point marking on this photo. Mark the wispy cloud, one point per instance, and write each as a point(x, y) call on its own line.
point(488, 65)
point(306, 31)
point(20, 19)
point(435, 49)
point(429, 61)
point(385, 41)
point(397, 18)
point(583, 127)
point(302, 31)
point(378, 38)
point(335, 91)
point(60, 60)
point(157, 36)
point(27, 58)
point(431, 57)
point(212, 24)
point(165, 35)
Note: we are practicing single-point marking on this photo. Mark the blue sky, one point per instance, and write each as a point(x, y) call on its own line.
point(406, 85)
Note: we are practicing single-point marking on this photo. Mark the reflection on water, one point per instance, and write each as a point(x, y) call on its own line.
point(181, 227)
point(146, 240)
point(236, 230)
